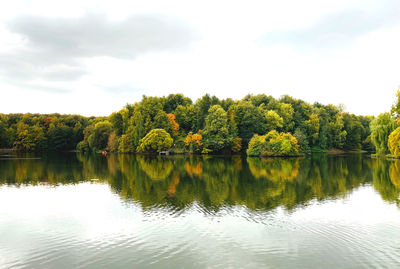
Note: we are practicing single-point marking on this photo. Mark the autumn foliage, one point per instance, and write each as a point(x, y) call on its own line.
point(174, 124)
point(394, 142)
point(194, 141)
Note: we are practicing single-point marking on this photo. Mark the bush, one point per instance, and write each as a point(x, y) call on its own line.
point(126, 144)
point(155, 141)
point(256, 145)
point(83, 146)
point(273, 144)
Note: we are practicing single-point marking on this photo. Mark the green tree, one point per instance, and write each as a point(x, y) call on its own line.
point(117, 122)
point(381, 127)
point(137, 130)
point(302, 140)
point(202, 107)
point(29, 138)
point(98, 138)
point(260, 99)
point(126, 144)
point(302, 110)
point(354, 131)
point(273, 120)
point(249, 119)
point(185, 116)
point(155, 141)
point(336, 134)
point(256, 145)
point(161, 121)
point(174, 100)
point(396, 106)
point(273, 144)
point(113, 142)
point(312, 126)
point(286, 111)
point(59, 137)
point(3, 133)
point(216, 132)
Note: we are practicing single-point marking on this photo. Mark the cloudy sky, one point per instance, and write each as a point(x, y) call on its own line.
point(93, 57)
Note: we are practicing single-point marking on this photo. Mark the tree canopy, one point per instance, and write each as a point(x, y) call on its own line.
point(210, 124)
point(155, 141)
point(381, 127)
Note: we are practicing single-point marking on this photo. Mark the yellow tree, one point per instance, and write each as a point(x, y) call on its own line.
point(174, 124)
point(194, 141)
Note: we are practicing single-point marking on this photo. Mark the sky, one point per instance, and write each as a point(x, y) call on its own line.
point(94, 57)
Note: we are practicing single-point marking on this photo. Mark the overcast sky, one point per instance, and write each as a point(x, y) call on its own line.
point(93, 57)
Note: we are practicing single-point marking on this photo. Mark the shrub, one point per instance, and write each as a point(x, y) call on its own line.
point(273, 144)
point(155, 141)
point(126, 143)
point(83, 146)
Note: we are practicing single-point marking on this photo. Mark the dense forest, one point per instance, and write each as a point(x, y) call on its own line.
point(256, 124)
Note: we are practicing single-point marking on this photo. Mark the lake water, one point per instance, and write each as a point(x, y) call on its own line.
point(128, 211)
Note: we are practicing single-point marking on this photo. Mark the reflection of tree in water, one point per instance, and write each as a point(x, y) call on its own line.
point(274, 169)
point(155, 167)
point(28, 168)
point(212, 182)
point(385, 179)
point(137, 183)
point(173, 184)
point(395, 174)
point(220, 176)
point(194, 169)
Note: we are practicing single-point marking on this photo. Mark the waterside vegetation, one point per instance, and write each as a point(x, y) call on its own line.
point(257, 124)
point(385, 132)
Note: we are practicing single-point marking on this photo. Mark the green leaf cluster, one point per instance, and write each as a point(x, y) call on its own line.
point(155, 141)
point(273, 144)
point(381, 128)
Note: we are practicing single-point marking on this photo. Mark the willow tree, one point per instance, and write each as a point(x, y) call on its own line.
point(381, 128)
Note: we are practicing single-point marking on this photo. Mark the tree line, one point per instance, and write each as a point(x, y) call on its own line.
point(257, 124)
point(31, 132)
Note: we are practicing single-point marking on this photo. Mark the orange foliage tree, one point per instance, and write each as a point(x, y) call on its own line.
point(174, 124)
point(194, 141)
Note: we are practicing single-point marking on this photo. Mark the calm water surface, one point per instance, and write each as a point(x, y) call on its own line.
point(127, 211)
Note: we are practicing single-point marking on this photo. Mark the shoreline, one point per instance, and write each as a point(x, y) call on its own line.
point(300, 155)
point(384, 157)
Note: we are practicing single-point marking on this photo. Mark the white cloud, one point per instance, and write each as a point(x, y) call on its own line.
point(95, 63)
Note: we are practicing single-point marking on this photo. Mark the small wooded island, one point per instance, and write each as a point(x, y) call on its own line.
point(258, 125)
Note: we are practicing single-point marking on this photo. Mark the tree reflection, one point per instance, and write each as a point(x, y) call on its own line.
point(274, 169)
point(386, 178)
point(395, 174)
point(155, 167)
point(212, 182)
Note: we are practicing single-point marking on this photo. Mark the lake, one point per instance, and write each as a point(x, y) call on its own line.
point(70, 210)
